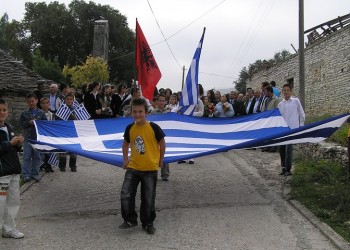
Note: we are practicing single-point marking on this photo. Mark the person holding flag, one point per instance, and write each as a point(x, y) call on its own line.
point(68, 101)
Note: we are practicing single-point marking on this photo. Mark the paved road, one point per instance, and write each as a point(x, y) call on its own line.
point(230, 200)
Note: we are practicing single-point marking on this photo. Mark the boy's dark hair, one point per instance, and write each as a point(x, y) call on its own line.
point(287, 85)
point(160, 95)
point(3, 102)
point(139, 102)
point(273, 83)
point(269, 89)
point(31, 95)
point(71, 94)
point(264, 84)
point(63, 86)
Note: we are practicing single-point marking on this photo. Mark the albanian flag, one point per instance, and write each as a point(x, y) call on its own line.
point(148, 73)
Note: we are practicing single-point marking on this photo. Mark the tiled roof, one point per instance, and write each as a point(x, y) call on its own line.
point(15, 77)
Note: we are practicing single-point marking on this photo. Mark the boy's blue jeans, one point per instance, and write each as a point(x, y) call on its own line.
point(148, 181)
point(31, 161)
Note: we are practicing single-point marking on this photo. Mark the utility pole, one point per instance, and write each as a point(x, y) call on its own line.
point(301, 54)
point(183, 77)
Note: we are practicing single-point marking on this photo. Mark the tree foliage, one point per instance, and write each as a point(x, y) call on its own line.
point(65, 33)
point(47, 68)
point(246, 74)
point(241, 82)
point(94, 69)
point(13, 40)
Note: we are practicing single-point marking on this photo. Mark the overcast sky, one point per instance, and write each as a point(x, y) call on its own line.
point(238, 32)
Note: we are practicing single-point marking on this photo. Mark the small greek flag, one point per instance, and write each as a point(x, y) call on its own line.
point(189, 92)
point(64, 112)
point(81, 113)
point(53, 160)
point(75, 104)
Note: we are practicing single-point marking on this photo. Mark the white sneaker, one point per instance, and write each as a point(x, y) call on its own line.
point(13, 234)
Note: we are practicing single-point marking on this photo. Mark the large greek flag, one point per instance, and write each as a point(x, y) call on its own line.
point(189, 93)
point(186, 136)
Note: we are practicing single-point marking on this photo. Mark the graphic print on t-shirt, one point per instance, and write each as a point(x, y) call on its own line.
point(139, 145)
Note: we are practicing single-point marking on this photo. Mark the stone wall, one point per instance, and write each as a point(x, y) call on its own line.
point(327, 74)
point(324, 151)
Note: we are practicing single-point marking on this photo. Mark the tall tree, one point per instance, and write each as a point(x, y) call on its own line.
point(241, 82)
point(49, 69)
point(67, 34)
point(14, 40)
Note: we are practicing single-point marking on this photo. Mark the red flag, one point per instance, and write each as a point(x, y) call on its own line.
point(148, 73)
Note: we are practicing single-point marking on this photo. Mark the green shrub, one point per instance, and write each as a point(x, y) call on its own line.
point(324, 188)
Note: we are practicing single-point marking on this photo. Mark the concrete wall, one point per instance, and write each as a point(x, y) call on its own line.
point(327, 75)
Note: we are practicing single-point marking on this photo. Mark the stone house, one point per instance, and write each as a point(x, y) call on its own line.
point(16, 81)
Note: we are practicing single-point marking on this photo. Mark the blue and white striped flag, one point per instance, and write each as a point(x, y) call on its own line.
point(64, 112)
point(81, 113)
point(189, 94)
point(186, 136)
point(53, 160)
point(75, 104)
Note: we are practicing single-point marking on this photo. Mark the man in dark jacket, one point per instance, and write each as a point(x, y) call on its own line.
point(10, 169)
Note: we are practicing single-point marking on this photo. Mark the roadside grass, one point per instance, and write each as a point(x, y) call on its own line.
point(324, 188)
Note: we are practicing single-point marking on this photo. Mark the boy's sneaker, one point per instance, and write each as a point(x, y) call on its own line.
point(150, 229)
point(73, 169)
point(15, 234)
point(127, 224)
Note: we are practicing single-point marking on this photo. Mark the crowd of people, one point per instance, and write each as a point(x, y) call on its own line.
point(109, 101)
point(112, 102)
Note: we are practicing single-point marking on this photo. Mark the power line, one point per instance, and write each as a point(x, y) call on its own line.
point(244, 39)
point(205, 13)
point(163, 34)
point(121, 56)
point(260, 23)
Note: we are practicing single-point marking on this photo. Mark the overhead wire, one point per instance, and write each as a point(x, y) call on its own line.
point(243, 42)
point(166, 39)
point(172, 53)
point(205, 13)
point(257, 28)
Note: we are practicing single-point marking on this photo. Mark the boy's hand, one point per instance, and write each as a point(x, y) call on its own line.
point(125, 163)
point(17, 140)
